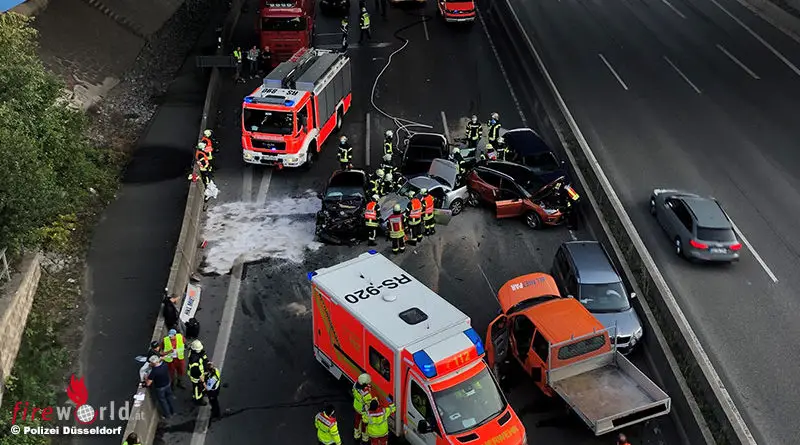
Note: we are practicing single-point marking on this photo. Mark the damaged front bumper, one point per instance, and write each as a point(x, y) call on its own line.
point(339, 231)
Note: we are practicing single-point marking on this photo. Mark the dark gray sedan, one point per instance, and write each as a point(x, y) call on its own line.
point(697, 225)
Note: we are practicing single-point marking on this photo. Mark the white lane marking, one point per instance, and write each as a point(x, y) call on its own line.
point(573, 236)
point(503, 71)
point(738, 62)
point(673, 8)
point(247, 183)
point(759, 38)
point(753, 251)
point(489, 283)
point(221, 347)
point(263, 188)
point(425, 27)
point(683, 76)
point(367, 147)
point(650, 264)
point(611, 68)
point(356, 45)
point(446, 128)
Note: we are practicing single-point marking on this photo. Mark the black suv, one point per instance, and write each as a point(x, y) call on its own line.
point(341, 219)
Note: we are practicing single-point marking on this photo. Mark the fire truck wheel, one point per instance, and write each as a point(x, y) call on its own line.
point(339, 122)
point(310, 155)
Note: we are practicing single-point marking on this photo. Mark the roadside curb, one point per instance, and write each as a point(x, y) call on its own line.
point(703, 408)
point(145, 416)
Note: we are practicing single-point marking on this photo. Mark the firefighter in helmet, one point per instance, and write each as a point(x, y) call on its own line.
point(414, 218)
point(388, 143)
point(203, 159)
point(502, 148)
point(376, 182)
point(396, 230)
point(388, 184)
point(494, 128)
point(210, 141)
point(428, 212)
point(474, 132)
point(386, 164)
point(372, 217)
point(345, 153)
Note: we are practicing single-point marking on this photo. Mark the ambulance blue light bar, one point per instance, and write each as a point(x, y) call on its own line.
point(288, 103)
point(372, 252)
point(310, 275)
point(476, 339)
point(425, 364)
point(248, 99)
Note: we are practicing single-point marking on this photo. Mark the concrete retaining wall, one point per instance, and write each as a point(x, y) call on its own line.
point(15, 304)
point(145, 417)
point(701, 405)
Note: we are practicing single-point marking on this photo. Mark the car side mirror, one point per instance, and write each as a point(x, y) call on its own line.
point(319, 195)
point(633, 295)
point(423, 427)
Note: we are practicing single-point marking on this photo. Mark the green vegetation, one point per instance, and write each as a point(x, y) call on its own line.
point(54, 181)
point(49, 167)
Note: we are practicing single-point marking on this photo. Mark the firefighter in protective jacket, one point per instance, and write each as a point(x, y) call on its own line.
point(362, 395)
point(428, 212)
point(388, 144)
point(372, 216)
point(327, 427)
point(396, 231)
point(474, 132)
point(377, 421)
point(345, 153)
point(376, 182)
point(494, 128)
point(414, 217)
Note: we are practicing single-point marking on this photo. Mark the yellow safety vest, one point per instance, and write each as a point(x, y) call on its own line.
point(360, 398)
point(327, 430)
point(195, 364)
point(216, 375)
point(136, 443)
point(365, 20)
point(179, 348)
point(378, 422)
point(387, 148)
point(238, 55)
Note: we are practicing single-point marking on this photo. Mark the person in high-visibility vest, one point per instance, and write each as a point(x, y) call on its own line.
point(428, 212)
point(197, 371)
point(237, 54)
point(345, 28)
point(372, 214)
point(362, 396)
point(396, 231)
point(364, 23)
point(568, 197)
point(377, 420)
point(212, 382)
point(173, 355)
point(489, 154)
point(376, 182)
point(474, 132)
point(494, 128)
point(132, 439)
point(502, 148)
point(210, 141)
point(414, 216)
point(345, 153)
point(327, 427)
point(388, 143)
point(388, 185)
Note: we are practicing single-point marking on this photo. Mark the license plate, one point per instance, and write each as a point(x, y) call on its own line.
point(718, 250)
point(269, 158)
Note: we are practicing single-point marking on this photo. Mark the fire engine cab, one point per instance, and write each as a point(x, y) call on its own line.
point(301, 102)
point(369, 315)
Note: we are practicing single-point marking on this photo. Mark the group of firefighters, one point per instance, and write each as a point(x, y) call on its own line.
point(204, 156)
point(371, 420)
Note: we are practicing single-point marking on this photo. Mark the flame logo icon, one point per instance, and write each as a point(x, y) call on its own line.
point(77, 392)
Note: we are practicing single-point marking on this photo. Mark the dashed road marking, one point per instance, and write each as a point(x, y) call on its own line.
point(674, 9)
point(738, 62)
point(614, 72)
point(683, 76)
point(503, 71)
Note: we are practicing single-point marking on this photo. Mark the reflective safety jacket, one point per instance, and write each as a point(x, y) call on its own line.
point(201, 156)
point(378, 421)
point(388, 148)
point(573, 195)
point(387, 187)
point(427, 203)
point(474, 131)
point(375, 185)
point(396, 226)
point(494, 132)
point(361, 397)
point(345, 153)
point(209, 143)
point(196, 370)
point(178, 351)
point(133, 443)
point(327, 430)
point(371, 214)
point(238, 55)
point(212, 380)
point(364, 20)
point(414, 211)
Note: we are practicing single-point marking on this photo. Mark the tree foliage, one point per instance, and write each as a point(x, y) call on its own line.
point(47, 164)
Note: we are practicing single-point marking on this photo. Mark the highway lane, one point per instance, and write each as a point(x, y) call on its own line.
point(686, 96)
point(273, 386)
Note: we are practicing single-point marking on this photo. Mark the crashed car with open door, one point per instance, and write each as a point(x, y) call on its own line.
point(516, 191)
point(449, 198)
point(419, 151)
point(568, 353)
point(341, 219)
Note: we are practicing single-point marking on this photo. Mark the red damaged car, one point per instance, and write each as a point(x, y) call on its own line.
point(516, 191)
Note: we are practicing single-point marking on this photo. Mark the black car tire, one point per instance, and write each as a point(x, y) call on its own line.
point(533, 220)
point(653, 206)
point(474, 200)
point(678, 247)
point(457, 206)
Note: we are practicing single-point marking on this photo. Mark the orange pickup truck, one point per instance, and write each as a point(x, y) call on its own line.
point(569, 353)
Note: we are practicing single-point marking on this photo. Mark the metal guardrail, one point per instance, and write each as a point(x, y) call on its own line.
point(4, 271)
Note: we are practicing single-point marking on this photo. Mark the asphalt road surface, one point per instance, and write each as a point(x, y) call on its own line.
point(256, 319)
point(700, 95)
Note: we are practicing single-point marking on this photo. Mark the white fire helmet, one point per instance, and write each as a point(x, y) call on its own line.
point(207, 133)
point(474, 119)
point(375, 197)
point(388, 177)
point(389, 134)
point(196, 346)
point(380, 173)
point(343, 139)
point(364, 379)
point(387, 158)
point(495, 116)
point(201, 145)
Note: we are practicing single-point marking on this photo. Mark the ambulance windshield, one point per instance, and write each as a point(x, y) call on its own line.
point(270, 122)
point(469, 404)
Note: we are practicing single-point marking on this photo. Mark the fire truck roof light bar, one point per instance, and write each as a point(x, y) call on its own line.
point(476, 339)
point(425, 364)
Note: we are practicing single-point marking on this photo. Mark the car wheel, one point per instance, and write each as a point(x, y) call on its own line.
point(533, 221)
point(456, 206)
point(653, 206)
point(678, 247)
point(473, 199)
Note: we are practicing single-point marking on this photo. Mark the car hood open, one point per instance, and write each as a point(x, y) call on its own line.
point(444, 170)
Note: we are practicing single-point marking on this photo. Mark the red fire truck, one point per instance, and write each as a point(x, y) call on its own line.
point(369, 315)
point(302, 101)
point(286, 26)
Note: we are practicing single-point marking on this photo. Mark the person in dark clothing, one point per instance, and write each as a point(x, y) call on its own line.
point(170, 312)
point(155, 349)
point(159, 382)
point(212, 383)
point(266, 60)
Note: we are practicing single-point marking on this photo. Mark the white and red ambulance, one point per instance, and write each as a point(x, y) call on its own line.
point(369, 315)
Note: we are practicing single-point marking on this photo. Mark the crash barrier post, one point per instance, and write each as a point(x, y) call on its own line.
point(700, 402)
point(144, 416)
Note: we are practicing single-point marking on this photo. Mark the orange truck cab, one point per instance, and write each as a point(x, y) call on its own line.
point(301, 103)
point(369, 315)
point(567, 352)
point(457, 11)
point(286, 26)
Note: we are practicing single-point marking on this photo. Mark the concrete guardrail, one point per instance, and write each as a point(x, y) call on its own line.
point(702, 406)
point(144, 416)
